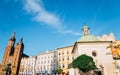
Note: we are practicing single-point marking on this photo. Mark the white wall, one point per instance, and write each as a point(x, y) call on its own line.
point(46, 62)
point(101, 58)
point(29, 67)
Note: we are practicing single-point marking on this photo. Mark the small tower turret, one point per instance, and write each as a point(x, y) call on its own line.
point(21, 41)
point(86, 30)
point(12, 40)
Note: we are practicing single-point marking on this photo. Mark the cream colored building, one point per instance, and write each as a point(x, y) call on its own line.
point(22, 66)
point(117, 42)
point(29, 65)
point(64, 57)
point(89, 44)
point(46, 63)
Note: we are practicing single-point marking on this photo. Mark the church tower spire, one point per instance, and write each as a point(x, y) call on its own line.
point(21, 41)
point(12, 40)
point(13, 37)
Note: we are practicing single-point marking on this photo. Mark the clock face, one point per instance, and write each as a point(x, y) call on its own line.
point(94, 53)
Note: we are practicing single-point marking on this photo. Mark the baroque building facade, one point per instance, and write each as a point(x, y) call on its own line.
point(29, 66)
point(46, 62)
point(41, 64)
point(22, 66)
point(64, 58)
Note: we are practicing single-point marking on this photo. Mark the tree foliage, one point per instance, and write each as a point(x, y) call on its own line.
point(59, 71)
point(84, 63)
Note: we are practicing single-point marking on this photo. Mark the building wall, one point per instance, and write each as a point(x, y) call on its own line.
point(117, 42)
point(103, 57)
point(116, 67)
point(0, 68)
point(115, 49)
point(7, 54)
point(17, 58)
point(46, 62)
point(64, 58)
point(29, 65)
point(22, 65)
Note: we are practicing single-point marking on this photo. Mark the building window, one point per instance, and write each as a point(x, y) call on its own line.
point(62, 59)
point(67, 52)
point(41, 68)
point(63, 66)
point(54, 61)
point(59, 66)
point(68, 58)
point(72, 58)
point(59, 59)
point(44, 67)
point(51, 61)
point(54, 55)
point(48, 61)
point(59, 53)
point(67, 66)
point(62, 53)
point(94, 53)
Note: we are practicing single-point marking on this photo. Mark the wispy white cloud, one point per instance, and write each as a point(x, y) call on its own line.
point(70, 32)
point(41, 15)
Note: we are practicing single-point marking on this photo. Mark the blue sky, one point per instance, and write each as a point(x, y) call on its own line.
point(49, 24)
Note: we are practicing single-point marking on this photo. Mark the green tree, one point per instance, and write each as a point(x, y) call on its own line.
point(84, 63)
point(59, 71)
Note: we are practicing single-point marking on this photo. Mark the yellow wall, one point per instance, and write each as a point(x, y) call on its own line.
point(116, 50)
point(118, 42)
point(64, 57)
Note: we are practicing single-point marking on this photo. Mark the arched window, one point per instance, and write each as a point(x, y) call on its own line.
point(62, 59)
point(59, 53)
point(63, 66)
point(68, 58)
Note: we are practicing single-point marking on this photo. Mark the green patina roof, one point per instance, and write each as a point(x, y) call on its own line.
point(85, 26)
point(88, 38)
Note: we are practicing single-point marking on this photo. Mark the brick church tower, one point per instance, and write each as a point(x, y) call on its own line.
point(12, 57)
